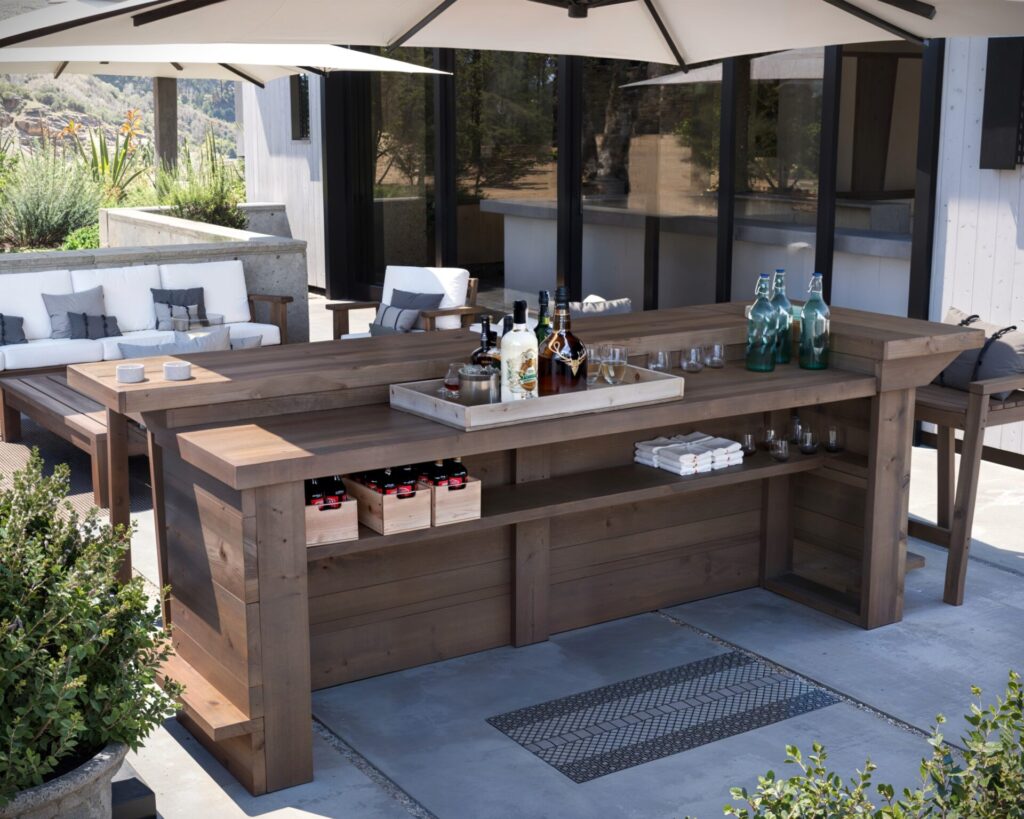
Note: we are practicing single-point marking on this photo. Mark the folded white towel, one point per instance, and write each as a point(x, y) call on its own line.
point(682, 471)
point(693, 437)
point(640, 459)
point(718, 446)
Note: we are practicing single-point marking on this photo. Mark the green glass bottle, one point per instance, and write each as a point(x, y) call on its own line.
point(783, 317)
point(543, 329)
point(814, 328)
point(761, 328)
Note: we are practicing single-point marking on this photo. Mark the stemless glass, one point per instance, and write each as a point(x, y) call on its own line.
point(768, 437)
point(796, 428)
point(595, 364)
point(659, 361)
point(808, 442)
point(615, 362)
point(693, 362)
point(780, 449)
point(834, 439)
point(715, 356)
point(748, 444)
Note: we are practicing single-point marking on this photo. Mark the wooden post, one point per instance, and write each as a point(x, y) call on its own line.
point(531, 622)
point(946, 442)
point(156, 481)
point(966, 495)
point(776, 528)
point(885, 516)
point(284, 635)
point(165, 120)
point(117, 476)
point(10, 421)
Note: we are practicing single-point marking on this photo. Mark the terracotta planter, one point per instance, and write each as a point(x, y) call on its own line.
point(83, 793)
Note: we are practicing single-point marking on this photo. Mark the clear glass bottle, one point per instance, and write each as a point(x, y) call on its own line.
point(563, 357)
point(543, 317)
point(783, 317)
point(814, 328)
point(761, 328)
point(518, 358)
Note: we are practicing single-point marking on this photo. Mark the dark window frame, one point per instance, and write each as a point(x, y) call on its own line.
point(298, 93)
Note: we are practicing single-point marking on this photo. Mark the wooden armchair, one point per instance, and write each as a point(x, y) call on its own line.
point(467, 313)
point(973, 412)
point(278, 308)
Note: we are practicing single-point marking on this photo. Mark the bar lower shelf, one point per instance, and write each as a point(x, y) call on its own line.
point(519, 503)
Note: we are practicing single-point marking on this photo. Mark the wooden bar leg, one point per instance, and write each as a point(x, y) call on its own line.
point(776, 528)
point(117, 477)
point(284, 635)
point(100, 485)
point(156, 481)
point(532, 582)
point(10, 421)
point(966, 496)
point(946, 439)
point(885, 518)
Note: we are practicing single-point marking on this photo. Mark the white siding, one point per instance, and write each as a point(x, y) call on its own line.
point(280, 169)
point(979, 241)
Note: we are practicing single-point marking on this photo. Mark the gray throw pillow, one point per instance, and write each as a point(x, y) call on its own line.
point(12, 330)
point(93, 327)
point(416, 301)
point(381, 330)
point(166, 313)
point(246, 343)
point(89, 302)
point(181, 298)
point(147, 350)
point(600, 308)
point(1003, 357)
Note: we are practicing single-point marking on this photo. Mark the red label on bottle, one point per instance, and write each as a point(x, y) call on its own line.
point(329, 502)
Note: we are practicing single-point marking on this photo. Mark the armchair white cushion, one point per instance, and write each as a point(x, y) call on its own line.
point(223, 286)
point(21, 294)
point(126, 293)
point(452, 282)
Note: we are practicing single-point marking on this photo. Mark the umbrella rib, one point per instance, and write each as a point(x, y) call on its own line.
point(913, 7)
point(177, 66)
point(172, 10)
point(242, 74)
point(443, 6)
point(67, 25)
point(665, 34)
point(60, 70)
point(875, 20)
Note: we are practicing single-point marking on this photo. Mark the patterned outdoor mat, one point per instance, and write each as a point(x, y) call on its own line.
point(609, 729)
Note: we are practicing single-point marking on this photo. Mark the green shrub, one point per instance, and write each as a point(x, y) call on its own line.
point(204, 190)
point(46, 198)
point(78, 650)
point(86, 238)
point(985, 782)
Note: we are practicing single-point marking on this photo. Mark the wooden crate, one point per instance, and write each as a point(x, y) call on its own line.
point(639, 387)
point(332, 525)
point(389, 514)
point(454, 504)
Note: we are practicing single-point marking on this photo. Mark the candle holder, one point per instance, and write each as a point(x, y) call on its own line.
point(748, 443)
point(780, 449)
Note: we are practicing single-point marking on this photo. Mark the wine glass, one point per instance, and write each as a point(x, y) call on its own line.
point(595, 364)
point(780, 449)
point(615, 363)
point(450, 385)
point(748, 444)
point(693, 362)
point(659, 361)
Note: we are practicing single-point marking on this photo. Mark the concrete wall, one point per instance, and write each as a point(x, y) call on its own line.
point(273, 265)
point(979, 241)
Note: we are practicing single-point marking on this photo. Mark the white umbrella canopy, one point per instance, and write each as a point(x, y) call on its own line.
point(257, 63)
point(798, 64)
point(667, 31)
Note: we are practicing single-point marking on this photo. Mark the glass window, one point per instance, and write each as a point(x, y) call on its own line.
point(650, 179)
point(300, 106)
point(403, 141)
point(506, 159)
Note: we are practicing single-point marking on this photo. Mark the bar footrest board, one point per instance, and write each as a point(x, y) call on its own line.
point(204, 704)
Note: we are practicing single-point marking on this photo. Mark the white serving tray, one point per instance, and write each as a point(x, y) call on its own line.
point(639, 386)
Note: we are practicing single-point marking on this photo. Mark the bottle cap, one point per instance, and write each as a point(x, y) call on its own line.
point(519, 312)
point(545, 297)
point(816, 275)
point(780, 270)
point(764, 275)
point(562, 295)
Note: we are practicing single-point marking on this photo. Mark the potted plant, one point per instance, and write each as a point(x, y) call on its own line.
point(79, 653)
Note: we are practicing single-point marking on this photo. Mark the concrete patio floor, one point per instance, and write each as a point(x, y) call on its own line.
point(416, 742)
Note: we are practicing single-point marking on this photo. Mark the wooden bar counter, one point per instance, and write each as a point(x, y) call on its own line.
point(572, 532)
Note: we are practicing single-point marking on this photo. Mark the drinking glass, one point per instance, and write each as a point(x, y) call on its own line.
point(834, 439)
point(450, 387)
point(796, 427)
point(615, 362)
point(595, 364)
point(808, 442)
point(693, 362)
point(715, 358)
point(748, 444)
point(780, 449)
point(768, 437)
point(659, 361)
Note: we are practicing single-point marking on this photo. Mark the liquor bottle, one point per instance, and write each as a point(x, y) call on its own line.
point(814, 328)
point(457, 473)
point(543, 329)
point(482, 354)
point(339, 488)
point(314, 494)
point(388, 483)
point(783, 318)
point(761, 327)
point(519, 359)
point(437, 474)
point(507, 324)
point(407, 478)
point(562, 360)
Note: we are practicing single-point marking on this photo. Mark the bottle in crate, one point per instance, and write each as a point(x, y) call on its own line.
point(457, 474)
point(437, 474)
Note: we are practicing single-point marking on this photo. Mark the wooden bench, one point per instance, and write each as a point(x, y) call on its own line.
point(972, 412)
point(50, 402)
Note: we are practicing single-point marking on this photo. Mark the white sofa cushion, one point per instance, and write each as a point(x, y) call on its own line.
point(21, 294)
point(223, 286)
point(126, 293)
point(270, 333)
point(3, 365)
point(112, 352)
point(51, 352)
point(451, 281)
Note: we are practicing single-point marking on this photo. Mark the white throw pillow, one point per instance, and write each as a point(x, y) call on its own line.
point(452, 282)
point(21, 294)
point(223, 284)
point(126, 293)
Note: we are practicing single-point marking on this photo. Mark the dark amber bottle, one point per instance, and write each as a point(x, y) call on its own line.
point(562, 356)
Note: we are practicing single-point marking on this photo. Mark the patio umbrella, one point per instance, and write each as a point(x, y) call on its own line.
point(798, 64)
point(255, 63)
point(684, 32)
